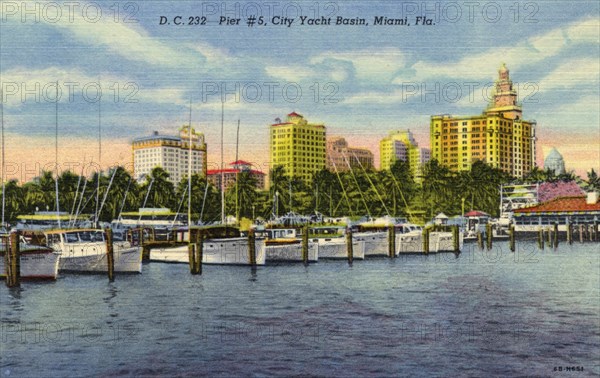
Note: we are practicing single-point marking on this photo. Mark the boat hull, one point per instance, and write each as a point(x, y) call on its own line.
point(229, 251)
point(291, 252)
point(376, 243)
point(336, 248)
point(35, 265)
point(91, 258)
point(438, 242)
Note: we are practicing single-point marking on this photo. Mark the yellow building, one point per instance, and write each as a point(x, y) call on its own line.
point(298, 146)
point(170, 153)
point(342, 157)
point(401, 145)
point(499, 136)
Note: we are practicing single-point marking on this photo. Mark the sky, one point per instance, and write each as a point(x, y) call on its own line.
point(126, 69)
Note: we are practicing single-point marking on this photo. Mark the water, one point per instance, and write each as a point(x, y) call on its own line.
point(490, 313)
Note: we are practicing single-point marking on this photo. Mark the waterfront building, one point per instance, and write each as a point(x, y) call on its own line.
point(171, 153)
point(298, 146)
point(499, 136)
point(230, 175)
point(580, 209)
point(555, 162)
point(401, 145)
point(340, 156)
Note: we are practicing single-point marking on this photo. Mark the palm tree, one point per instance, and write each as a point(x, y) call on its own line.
point(162, 192)
point(279, 184)
point(14, 202)
point(593, 181)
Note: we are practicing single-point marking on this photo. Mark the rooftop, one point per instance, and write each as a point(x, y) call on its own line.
point(570, 204)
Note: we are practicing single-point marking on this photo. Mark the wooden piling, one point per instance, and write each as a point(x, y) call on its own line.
point(569, 233)
point(426, 240)
point(581, 233)
point(595, 231)
point(488, 235)
point(549, 237)
point(192, 257)
point(305, 244)
point(252, 247)
point(511, 237)
point(480, 240)
point(541, 238)
point(199, 252)
point(555, 235)
point(13, 260)
point(590, 232)
point(392, 241)
point(455, 238)
point(110, 255)
point(349, 246)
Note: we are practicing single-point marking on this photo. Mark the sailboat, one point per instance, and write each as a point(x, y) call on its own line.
point(36, 262)
point(84, 249)
point(222, 244)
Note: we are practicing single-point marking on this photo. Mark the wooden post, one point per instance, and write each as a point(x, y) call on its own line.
point(110, 256)
point(590, 232)
point(199, 251)
point(455, 239)
point(426, 232)
point(252, 247)
point(556, 235)
point(488, 235)
point(13, 260)
point(511, 237)
point(305, 244)
point(349, 246)
point(581, 233)
point(392, 241)
point(569, 233)
point(192, 257)
point(549, 237)
point(541, 238)
point(596, 231)
point(480, 240)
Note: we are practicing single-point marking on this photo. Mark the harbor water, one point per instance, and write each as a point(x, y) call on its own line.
point(481, 313)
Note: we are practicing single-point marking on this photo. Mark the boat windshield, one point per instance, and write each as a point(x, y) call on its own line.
point(83, 236)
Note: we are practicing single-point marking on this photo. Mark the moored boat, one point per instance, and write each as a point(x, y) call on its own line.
point(222, 245)
point(332, 243)
point(285, 245)
point(36, 262)
point(84, 250)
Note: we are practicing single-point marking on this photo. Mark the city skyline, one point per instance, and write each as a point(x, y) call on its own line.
point(361, 88)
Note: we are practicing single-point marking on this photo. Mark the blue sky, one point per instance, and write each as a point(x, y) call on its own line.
point(361, 81)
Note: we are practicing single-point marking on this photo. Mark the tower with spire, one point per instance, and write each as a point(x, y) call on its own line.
point(504, 99)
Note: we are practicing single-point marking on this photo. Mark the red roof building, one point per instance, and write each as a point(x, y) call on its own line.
point(561, 210)
point(230, 174)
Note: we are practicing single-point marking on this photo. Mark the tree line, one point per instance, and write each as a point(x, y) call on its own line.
point(391, 192)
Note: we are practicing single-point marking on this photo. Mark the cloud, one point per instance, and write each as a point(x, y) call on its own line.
point(369, 65)
point(128, 40)
point(534, 50)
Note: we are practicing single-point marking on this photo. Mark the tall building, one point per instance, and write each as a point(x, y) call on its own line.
point(170, 153)
point(298, 146)
point(230, 175)
point(554, 161)
point(499, 136)
point(340, 156)
point(401, 145)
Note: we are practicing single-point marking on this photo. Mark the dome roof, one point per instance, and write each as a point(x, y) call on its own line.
point(554, 155)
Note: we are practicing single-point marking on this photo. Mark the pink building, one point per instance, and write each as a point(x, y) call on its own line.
point(229, 175)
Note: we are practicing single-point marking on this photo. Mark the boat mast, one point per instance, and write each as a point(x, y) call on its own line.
point(3, 155)
point(237, 141)
point(56, 156)
point(222, 175)
point(189, 212)
point(99, 164)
